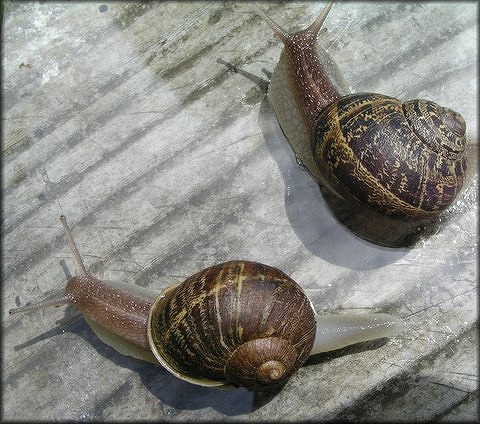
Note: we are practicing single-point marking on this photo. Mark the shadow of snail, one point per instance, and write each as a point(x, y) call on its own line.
point(239, 323)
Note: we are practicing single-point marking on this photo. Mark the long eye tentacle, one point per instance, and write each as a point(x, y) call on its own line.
point(317, 24)
point(277, 29)
point(79, 265)
point(314, 28)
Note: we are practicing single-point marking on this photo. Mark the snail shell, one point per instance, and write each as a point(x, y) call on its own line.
point(404, 159)
point(239, 322)
point(400, 159)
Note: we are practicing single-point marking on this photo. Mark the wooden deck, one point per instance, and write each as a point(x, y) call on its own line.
point(147, 125)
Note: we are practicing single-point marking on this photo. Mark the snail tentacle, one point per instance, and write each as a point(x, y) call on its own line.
point(317, 24)
point(80, 266)
point(277, 29)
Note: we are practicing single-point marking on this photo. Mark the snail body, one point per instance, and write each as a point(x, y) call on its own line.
point(400, 159)
point(239, 323)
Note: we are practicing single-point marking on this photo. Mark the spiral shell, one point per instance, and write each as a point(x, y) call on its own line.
point(240, 323)
point(400, 159)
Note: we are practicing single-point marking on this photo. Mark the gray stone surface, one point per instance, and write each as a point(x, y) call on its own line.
point(127, 118)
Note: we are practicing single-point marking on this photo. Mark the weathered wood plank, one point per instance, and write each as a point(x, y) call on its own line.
point(123, 117)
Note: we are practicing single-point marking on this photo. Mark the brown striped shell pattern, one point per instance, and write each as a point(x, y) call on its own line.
point(400, 159)
point(405, 159)
point(240, 323)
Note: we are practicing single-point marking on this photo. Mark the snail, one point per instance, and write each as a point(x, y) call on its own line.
point(398, 159)
point(238, 323)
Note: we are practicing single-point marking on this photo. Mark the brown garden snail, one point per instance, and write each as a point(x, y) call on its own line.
point(400, 159)
point(238, 323)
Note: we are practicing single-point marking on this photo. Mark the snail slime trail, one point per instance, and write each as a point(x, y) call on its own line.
point(237, 323)
point(390, 160)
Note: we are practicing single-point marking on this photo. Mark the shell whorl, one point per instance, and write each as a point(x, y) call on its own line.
point(263, 361)
point(404, 160)
point(240, 323)
point(448, 128)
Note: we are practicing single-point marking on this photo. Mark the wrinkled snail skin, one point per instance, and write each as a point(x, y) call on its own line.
point(400, 159)
point(238, 323)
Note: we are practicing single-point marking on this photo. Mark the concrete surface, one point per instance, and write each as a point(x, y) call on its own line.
point(127, 118)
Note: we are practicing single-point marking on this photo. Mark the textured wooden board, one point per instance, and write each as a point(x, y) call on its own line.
point(125, 117)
